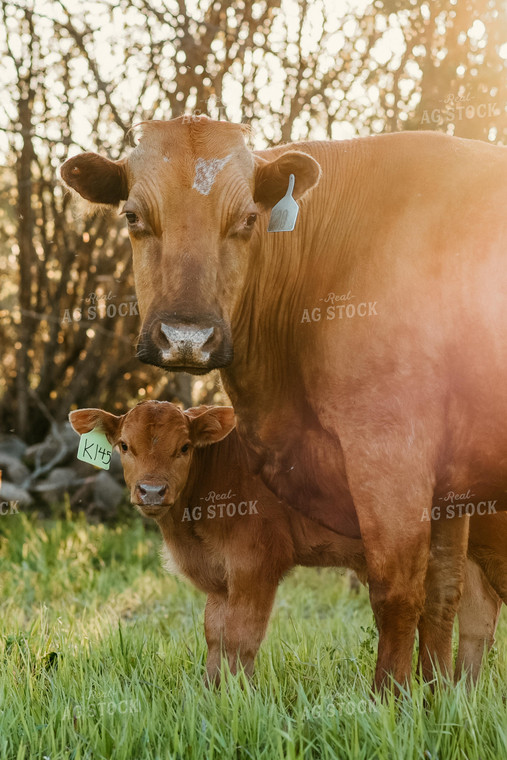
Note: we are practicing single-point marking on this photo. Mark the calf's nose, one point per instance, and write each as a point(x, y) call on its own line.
point(150, 494)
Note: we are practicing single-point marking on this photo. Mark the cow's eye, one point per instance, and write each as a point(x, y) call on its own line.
point(131, 217)
point(123, 446)
point(243, 225)
point(185, 448)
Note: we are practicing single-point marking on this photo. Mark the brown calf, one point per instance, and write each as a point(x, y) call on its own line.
point(234, 539)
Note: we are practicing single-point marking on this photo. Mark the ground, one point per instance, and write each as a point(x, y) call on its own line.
point(103, 657)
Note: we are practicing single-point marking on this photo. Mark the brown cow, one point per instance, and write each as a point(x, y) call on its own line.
point(231, 536)
point(364, 352)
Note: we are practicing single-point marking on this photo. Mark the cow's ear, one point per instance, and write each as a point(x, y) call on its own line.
point(215, 423)
point(84, 420)
point(97, 179)
point(272, 177)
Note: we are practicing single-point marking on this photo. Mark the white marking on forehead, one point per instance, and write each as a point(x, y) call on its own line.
point(165, 158)
point(206, 172)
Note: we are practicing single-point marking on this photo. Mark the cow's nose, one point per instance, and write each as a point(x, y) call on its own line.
point(186, 344)
point(151, 494)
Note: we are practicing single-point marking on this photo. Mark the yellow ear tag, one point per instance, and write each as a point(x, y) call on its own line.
point(94, 448)
point(285, 212)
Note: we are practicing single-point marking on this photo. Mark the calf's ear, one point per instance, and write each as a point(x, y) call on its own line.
point(196, 411)
point(97, 179)
point(215, 423)
point(84, 420)
point(272, 177)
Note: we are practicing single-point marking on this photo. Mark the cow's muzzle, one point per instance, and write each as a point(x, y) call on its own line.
point(183, 345)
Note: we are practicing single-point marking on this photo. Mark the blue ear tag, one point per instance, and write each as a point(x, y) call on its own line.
point(94, 448)
point(285, 212)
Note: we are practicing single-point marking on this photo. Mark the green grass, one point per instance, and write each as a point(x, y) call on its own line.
point(103, 657)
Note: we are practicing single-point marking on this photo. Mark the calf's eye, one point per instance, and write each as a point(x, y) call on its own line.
point(123, 446)
point(185, 448)
point(131, 217)
point(250, 220)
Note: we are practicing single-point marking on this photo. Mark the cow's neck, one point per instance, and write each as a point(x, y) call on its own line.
point(265, 326)
point(288, 274)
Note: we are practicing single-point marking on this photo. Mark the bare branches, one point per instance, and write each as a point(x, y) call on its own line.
point(77, 79)
point(62, 452)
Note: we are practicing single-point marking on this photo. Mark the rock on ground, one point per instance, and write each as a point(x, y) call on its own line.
point(13, 468)
point(13, 494)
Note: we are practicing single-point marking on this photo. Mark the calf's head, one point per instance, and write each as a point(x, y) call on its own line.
point(191, 193)
point(156, 441)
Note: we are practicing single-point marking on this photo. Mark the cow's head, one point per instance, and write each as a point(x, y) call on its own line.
point(192, 192)
point(156, 442)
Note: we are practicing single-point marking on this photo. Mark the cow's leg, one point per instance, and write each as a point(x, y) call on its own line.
point(214, 624)
point(487, 546)
point(478, 615)
point(247, 614)
point(397, 562)
point(397, 599)
point(444, 584)
point(392, 488)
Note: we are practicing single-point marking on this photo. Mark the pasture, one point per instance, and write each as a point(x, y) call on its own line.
point(103, 657)
point(362, 347)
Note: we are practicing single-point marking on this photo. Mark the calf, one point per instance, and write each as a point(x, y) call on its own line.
point(232, 537)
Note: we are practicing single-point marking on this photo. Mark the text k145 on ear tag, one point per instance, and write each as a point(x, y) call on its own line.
point(94, 448)
point(285, 212)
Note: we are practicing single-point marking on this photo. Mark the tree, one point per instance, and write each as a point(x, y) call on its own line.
point(78, 76)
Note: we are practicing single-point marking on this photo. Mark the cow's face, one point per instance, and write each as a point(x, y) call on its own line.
point(192, 194)
point(156, 442)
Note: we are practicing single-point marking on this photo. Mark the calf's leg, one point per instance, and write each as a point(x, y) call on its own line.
point(235, 624)
point(214, 624)
point(246, 618)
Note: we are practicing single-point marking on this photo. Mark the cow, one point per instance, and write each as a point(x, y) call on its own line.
point(226, 532)
point(364, 351)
